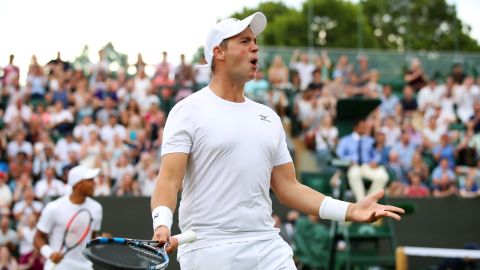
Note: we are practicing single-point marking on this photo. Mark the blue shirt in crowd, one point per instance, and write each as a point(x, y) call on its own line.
point(350, 145)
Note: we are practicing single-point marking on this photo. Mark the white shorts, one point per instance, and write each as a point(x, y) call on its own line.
point(252, 255)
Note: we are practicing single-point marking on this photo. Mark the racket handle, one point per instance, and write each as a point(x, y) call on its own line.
point(186, 237)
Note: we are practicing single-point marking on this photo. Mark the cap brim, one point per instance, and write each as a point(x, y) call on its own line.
point(257, 22)
point(91, 173)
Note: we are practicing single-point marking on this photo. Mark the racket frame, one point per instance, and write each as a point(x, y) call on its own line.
point(151, 245)
point(84, 235)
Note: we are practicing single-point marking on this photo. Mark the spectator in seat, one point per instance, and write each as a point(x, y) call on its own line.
point(30, 258)
point(415, 76)
point(408, 102)
point(300, 62)
point(7, 261)
point(278, 73)
point(326, 138)
point(390, 103)
point(8, 236)
point(466, 95)
point(257, 88)
point(457, 74)
point(445, 149)
point(20, 185)
point(416, 189)
point(469, 186)
point(19, 144)
point(6, 196)
point(429, 97)
point(103, 186)
point(444, 180)
point(128, 186)
point(358, 148)
point(21, 164)
point(49, 187)
point(399, 181)
point(26, 208)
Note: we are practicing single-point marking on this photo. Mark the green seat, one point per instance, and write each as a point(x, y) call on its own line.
point(429, 160)
point(319, 181)
point(314, 243)
point(457, 126)
point(369, 245)
point(36, 102)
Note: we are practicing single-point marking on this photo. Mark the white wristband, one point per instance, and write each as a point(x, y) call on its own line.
point(162, 216)
point(46, 251)
point(333, 209)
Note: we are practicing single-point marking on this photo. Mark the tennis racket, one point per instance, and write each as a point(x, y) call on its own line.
point(77, 229)
point(124, 253)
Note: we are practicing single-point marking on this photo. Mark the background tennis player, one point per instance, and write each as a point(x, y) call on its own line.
point(67, 223)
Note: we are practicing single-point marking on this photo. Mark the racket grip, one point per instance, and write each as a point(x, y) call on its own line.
point(186, 237)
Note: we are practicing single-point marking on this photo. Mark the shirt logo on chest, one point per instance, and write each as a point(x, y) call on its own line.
point(264, 118)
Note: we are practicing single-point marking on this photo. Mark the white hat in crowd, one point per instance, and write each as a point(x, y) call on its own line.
point(79, 173)
point(229, 28)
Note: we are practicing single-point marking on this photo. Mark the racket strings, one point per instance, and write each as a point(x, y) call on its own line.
point(148, 251)
point(128, 256)
point(78, 229)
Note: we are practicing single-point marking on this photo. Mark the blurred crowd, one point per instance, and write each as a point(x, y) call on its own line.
point(424, 136)
point(422, 140)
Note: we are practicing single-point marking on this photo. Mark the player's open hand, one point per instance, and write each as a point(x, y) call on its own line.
point(369, 210)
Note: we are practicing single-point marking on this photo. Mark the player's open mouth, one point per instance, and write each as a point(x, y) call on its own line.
point(254, 62)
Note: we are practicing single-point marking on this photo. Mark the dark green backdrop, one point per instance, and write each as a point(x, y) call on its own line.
point(446, 223)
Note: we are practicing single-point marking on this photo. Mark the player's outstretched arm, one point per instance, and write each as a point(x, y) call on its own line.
point(293, 194)
point(297, 196)
point(164, 197)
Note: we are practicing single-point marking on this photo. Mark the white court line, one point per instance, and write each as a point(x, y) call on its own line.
point(441, 252)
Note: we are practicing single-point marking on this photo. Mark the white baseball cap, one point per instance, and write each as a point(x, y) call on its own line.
point(79, 173)
point(229, 28)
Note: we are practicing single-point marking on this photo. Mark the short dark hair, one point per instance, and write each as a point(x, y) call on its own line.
point(357, 122)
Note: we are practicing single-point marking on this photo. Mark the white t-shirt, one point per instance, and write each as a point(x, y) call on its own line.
point(232, 148)
point(6, 196)
point(53, 222)
point(325, 138)
point(82, 132)
point(25, 245)
point(428, 97)
point(304, 72)
point(466, 97)
point(21, 207)
point(147, 186)
point(13, 148)
point(53, 189)
point(108, 132)
point(62, 116)
point(12, 112)
point(141, 88)
point(63, 147)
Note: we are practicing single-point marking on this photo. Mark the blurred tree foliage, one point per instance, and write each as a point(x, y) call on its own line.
point(378, 24)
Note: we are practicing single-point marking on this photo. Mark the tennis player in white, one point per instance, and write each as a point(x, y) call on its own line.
point(56, 215)
point(227, 151)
